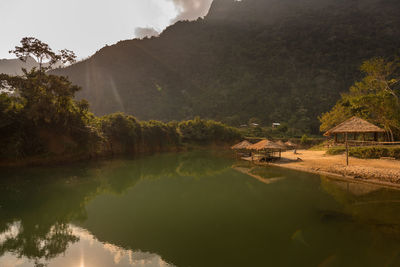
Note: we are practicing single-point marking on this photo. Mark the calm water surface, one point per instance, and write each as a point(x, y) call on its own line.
point(192, 209)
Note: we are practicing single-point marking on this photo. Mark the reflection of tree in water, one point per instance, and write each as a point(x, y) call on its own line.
point(37, 243)
point(39, 204)
point(126, 173)
point(201, 164)
point(36, 207)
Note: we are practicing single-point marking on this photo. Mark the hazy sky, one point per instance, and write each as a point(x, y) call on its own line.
point(85, 26)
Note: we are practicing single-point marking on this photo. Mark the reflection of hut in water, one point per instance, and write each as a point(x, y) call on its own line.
point(262, 178)
point(265, 150)
point(354, 127)
point(241, 148)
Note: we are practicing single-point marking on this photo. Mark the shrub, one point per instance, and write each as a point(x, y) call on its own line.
point(207, 131)
point(373, 152)
point(304, 140)
point(336, 150)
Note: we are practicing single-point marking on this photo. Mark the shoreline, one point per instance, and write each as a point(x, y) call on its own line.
point(340, 177)
point(57, 160)
point(384, 173)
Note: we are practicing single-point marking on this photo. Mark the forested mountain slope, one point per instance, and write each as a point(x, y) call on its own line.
point(277, 60)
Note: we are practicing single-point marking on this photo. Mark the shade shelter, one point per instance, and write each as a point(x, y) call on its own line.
point(282, 144)
point(266, 149)
point(241, 148)
point(353, 127)
point(290, 144)
point(242, 145)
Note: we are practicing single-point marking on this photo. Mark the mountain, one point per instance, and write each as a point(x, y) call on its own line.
point(14, 66)
point(276, 60)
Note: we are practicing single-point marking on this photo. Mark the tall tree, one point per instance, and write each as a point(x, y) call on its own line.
point(375, 97)
point(32, 47)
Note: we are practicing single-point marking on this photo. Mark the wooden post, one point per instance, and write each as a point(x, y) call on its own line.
point(335, 138)
point(347, 152)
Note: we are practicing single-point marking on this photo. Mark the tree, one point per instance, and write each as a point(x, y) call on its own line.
point(375, 98)
point(32, 47)
point(43, 110)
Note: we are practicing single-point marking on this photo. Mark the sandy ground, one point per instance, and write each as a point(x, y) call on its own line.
point(372, 170)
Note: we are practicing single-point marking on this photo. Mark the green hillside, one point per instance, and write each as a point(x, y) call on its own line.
point(276, 60)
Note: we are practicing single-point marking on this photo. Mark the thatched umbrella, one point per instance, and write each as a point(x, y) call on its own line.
point(265, 145)
point(283, 145)
point(355, 126)
point(242, 145)
point(290, 144)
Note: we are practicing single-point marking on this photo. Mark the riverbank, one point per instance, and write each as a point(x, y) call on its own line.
point(52, 160)
point(376, 171)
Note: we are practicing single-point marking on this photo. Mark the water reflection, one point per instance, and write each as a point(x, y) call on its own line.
point(37, 205)
point(370, 204)
point(192, 209)
point(88, 252)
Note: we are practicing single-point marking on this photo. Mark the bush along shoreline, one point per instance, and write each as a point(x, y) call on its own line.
point(374, 152)
point(42, 123)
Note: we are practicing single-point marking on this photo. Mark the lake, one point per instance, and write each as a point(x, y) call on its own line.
point(192, 209)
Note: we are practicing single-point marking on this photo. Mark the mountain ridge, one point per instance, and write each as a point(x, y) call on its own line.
point(14, 66)
point(238, 63)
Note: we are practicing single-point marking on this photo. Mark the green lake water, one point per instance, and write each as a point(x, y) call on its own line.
point(192, 209)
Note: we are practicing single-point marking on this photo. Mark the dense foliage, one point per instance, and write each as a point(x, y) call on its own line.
point(203, 131)
point(39, 117)
point(278, 61)
point(374, 152)
point(375, 98)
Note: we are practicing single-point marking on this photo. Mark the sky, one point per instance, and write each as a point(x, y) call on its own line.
point(85, 26)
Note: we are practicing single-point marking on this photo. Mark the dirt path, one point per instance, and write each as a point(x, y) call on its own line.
point(371, 170)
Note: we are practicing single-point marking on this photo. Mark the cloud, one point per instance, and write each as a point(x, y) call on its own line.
point(191, 9)
point(145, 32)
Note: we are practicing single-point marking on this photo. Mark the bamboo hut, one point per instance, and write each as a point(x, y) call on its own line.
point(354, 126)
point(266, 150)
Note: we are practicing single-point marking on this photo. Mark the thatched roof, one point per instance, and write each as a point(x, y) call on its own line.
point(280, 143)
point(354, 125)
point(242, 145)
point(290, 144)
point(265, 145)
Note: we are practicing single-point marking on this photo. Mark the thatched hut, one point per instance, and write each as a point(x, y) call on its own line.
point(290, 144)
point(242, 145)
point(241, 148)
point(355, 126)
point(266, 149)
point(282, 144)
